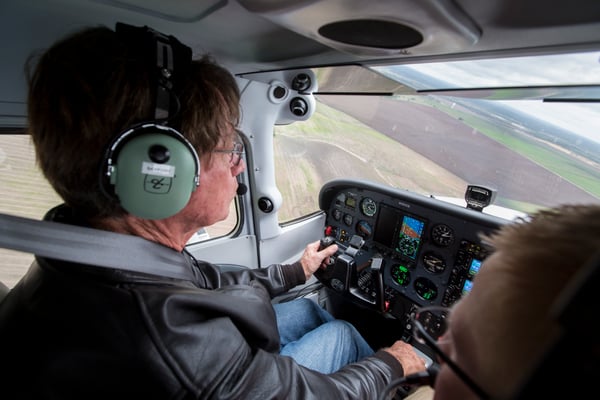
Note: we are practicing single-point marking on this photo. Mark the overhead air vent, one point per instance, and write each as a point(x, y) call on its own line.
point(372, 33)
point(375, 28)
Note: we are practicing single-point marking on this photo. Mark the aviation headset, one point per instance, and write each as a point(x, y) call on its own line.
point(151, 168)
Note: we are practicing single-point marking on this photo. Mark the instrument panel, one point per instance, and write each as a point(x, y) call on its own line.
point(399, 250)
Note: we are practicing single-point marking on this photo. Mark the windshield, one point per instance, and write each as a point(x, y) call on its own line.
point(525, 127)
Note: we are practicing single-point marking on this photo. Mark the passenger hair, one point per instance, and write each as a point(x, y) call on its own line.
point(538, 257)
point(564, 237)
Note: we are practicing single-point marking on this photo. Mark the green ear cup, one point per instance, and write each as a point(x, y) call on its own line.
point(155, 174)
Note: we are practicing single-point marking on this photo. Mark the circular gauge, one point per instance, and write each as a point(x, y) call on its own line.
point(408, 246)
point(348, 219)
point(442, 235)
point(400, 274)
point(434, 263)
point(364, 229)
point(337, 214)
point(368, 206)
point(426, 289)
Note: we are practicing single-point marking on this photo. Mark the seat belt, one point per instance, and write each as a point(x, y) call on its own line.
point(91, 246)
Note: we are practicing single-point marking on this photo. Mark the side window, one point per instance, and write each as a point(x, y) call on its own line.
point(26, 192)
point(296, 174)
point(222, 228)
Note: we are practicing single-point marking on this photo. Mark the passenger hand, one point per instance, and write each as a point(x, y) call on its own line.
point(406, 355)
point(313, 259)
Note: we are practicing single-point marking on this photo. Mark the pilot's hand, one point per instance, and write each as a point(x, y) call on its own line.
point(312, 259)
point(406, 355)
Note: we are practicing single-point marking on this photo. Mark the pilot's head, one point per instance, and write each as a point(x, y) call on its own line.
point(92, 86)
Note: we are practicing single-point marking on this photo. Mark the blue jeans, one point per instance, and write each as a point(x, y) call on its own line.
point(314, 339)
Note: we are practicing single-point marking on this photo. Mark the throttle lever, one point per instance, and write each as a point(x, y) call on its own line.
point(377, 278)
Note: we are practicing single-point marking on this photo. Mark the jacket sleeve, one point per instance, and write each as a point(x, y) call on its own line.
point(276, 278)
point(225, 346)
point(271, 376)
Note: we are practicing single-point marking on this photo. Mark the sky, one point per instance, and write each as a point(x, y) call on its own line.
point(563, 69)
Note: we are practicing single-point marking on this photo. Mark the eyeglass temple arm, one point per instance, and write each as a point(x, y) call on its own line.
point(457, 370)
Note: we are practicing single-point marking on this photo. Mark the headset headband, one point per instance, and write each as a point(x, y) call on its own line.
point(171, 60)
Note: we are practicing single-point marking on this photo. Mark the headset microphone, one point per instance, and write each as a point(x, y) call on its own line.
point(242, 189)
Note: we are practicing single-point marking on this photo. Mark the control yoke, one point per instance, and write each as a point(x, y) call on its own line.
point(343, 275)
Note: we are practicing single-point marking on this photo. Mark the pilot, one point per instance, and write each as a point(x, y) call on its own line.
point(98, 100)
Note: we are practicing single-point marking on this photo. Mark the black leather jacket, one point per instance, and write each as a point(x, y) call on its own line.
point(71, 331)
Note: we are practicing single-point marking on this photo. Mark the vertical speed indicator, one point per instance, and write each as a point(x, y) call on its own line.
point(368, 206)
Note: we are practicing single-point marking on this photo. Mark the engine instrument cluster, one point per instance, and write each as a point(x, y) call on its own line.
point(399, 250)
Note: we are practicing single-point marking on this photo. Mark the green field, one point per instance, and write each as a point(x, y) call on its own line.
point(575, 168)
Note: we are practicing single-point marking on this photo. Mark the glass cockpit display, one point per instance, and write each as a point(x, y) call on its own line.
point(473, 270)
point(399, 231)
point(409, 237)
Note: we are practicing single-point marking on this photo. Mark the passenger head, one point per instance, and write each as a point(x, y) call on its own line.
point(503, 326)
point(90, 87)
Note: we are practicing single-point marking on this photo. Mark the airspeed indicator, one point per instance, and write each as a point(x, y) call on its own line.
point(368, 206)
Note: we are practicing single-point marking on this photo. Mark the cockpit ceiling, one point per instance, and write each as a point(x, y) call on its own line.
point(265, 34)
point(250, 36)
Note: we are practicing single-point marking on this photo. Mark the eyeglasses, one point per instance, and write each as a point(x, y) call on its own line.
point(429, 323)
point(236, 152)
